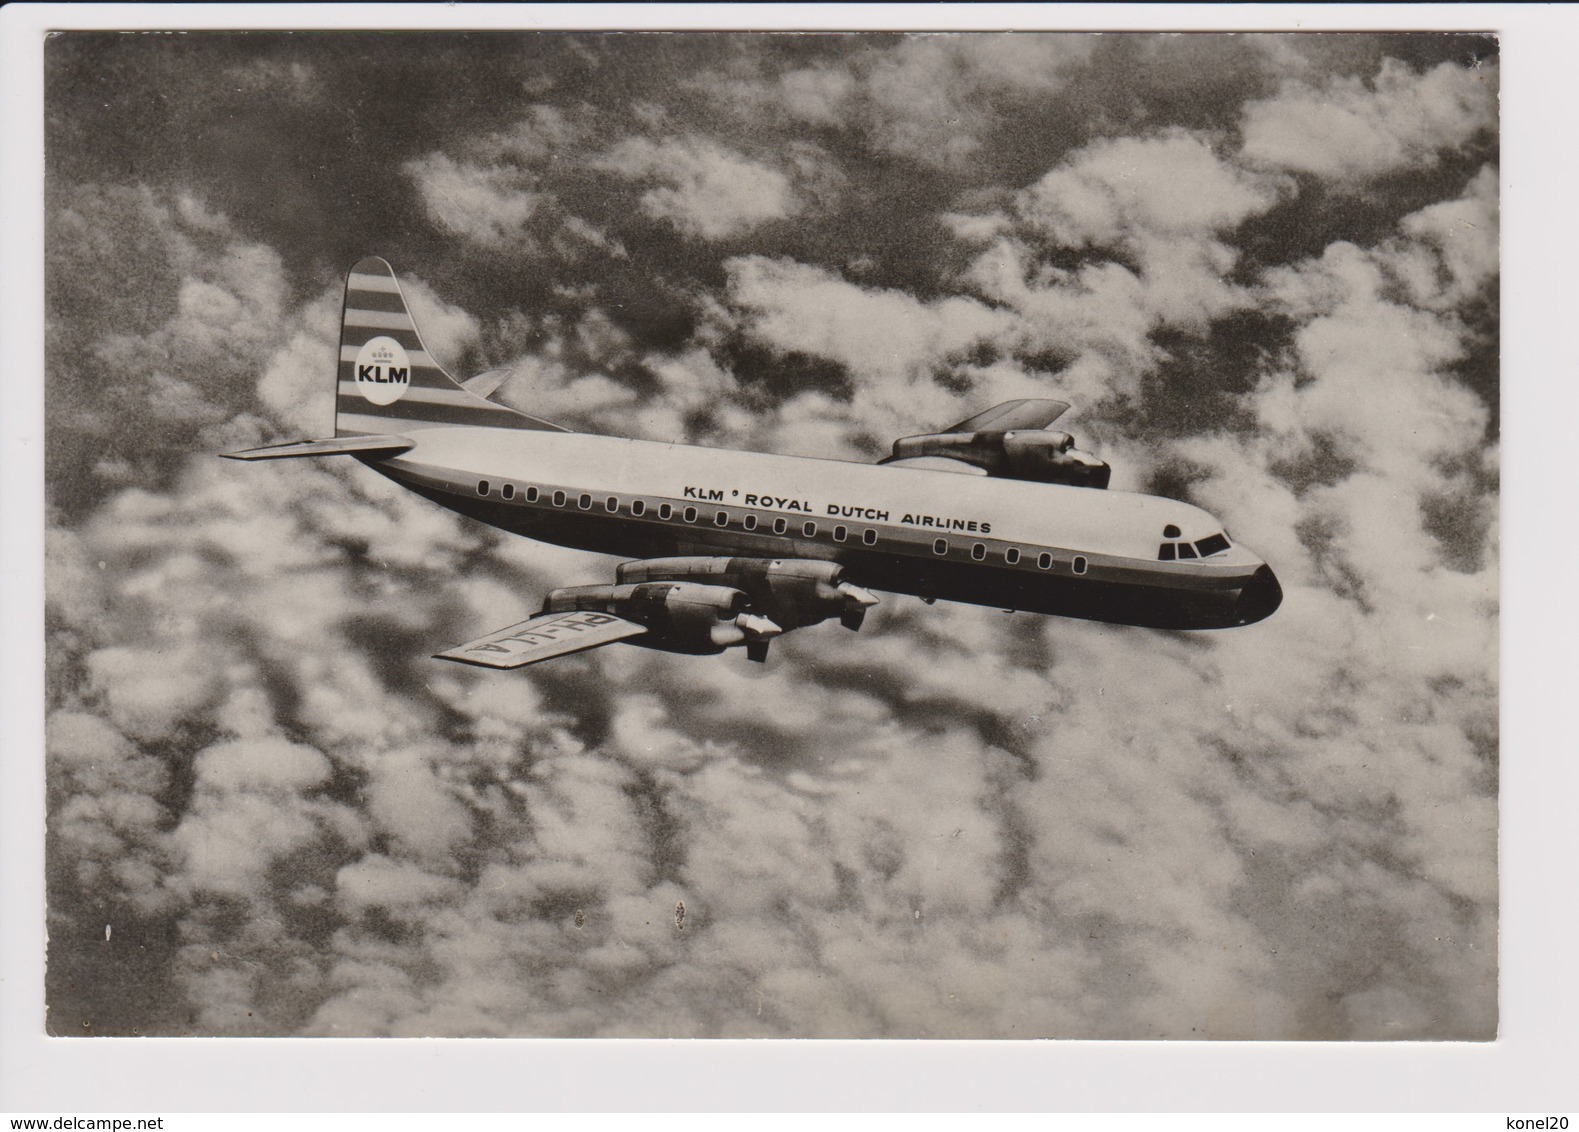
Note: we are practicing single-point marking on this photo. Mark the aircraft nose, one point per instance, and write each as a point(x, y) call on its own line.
point(1260, 597)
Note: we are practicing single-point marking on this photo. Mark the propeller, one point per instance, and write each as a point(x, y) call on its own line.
point(757, 628)
point(856, 602)
point(759, 631)
point(743, 629)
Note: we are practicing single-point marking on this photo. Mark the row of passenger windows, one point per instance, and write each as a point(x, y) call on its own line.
point(1011, 555)
point(841, 533)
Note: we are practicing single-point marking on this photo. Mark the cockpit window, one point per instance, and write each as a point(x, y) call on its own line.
point(1211, 545)
point(1205, 548)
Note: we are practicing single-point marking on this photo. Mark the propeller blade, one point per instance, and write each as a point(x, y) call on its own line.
point(757, 627)
point(852, 618)
point(861, 597)
point(757, 650)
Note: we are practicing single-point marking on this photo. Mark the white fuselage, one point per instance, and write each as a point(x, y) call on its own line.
point(992, 541)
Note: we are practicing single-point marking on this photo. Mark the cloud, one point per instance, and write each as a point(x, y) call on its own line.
point(875, 334)
point(185, 347)
point(1346, 129)
point(399, 888)
point(487, 204)
point(1455, 246)
point(1364, 429)
point(110, 814)
point(892, 344)
point(495, 189)
point(224, 319)
point(1162, 203)
point(1377, 361)
point(703, 189)
point(247, 812)
point(261, 765)
point(412, 805)
point(1119, 189)
point(926, 98)
point(1149, 220)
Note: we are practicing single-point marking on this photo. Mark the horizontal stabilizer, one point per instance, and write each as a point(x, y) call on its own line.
point(542, 637)
point(340, 446)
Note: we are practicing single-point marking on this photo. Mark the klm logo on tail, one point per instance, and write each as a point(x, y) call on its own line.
point(383, 370)
point(384, 373)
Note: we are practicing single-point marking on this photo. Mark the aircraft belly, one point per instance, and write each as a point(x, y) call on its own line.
point(1088, 598)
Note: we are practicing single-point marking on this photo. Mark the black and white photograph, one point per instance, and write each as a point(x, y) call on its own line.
point(884, 535)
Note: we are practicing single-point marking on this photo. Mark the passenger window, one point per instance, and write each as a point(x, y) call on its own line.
point(780, 525)
point(690, 514)
point(531, 495)
point(839, 533)
point(869, 537)
point(482, 487)
point(1045, 561)
point(1186, 550)
point(750, 522)
point(612, 503)
point(559, 499)
point(638, 507)
point(978, 552)
point(721, 519)
point(585, 502)
point(1080, 564)
point(665, 511)
point(508, 491)
point(809, 529)
point(940, 546)
point(1012, 555)
point(1165, 552)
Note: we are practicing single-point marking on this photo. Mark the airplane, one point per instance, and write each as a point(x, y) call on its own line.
point(728, 549)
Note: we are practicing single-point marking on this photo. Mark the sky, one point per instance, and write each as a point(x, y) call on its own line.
point(1263, 268)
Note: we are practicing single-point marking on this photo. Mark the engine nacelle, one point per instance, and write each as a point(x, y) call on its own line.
point(792, 592)
point(1041, 455)
point(679, 616)
point(1051, 457)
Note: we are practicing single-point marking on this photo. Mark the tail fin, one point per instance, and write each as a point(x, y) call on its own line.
point(388, 381)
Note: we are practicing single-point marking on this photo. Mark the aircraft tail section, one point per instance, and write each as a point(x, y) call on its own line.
point(388, 383)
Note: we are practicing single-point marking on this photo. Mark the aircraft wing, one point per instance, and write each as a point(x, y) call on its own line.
point(1029, 413)
point(543, 637)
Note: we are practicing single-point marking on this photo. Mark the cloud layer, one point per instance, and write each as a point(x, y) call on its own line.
point(1269, 285)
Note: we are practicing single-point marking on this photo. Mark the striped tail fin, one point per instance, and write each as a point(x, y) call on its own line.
point(388, 382)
